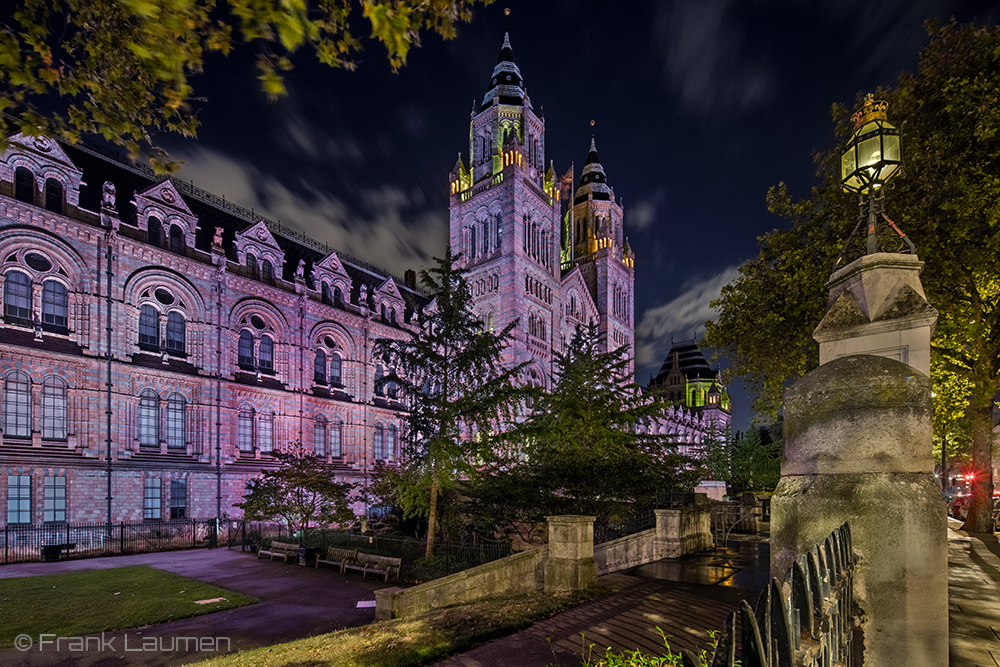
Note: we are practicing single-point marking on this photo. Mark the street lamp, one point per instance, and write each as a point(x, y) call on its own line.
point(872, 157)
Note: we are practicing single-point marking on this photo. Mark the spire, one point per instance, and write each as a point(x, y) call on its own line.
point(593, 180)
point(506, 84)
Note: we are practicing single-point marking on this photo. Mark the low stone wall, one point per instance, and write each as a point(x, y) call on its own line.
point(625, 552)
point(684, 531)
point(519, 573)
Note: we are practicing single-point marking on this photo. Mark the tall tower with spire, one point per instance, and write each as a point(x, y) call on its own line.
point(536, 252)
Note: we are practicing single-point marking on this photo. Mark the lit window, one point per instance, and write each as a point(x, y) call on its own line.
point(265, 434)
point(18, 499)
point(246, 350)
point(53, 408)
point(266, 354)
point(17, 298)
point(175, 332)
point(151, 498)
point(149, 328)
point(176, 407)
point(55, 499)
point(319, 367)
point(319, 437)
point(149, 419)
point(178, 499)
point(55, 305)
point(244, 429)
point(17, 406)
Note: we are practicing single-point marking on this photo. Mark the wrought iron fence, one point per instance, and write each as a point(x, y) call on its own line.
point(24, 543)
point(806, 619)
point(733, 517)
point(635, 524)
point(672, 499)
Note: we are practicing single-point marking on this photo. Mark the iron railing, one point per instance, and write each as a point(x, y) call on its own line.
point(806, 619)
point(634, 524)
point(23, 543)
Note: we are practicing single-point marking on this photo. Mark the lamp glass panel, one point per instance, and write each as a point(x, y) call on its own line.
point(890, 147)
point(869, 152)
point(847, 163)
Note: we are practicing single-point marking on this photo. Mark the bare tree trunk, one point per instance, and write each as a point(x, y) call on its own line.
point(432, 511)
point(980, 517)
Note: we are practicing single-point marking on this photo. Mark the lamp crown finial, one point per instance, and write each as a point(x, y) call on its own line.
point(871, 110)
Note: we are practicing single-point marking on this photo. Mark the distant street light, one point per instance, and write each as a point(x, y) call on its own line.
point(872, 157)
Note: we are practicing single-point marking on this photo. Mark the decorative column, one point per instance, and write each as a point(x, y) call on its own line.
point(571, 565)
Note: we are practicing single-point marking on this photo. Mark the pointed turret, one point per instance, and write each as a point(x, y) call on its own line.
point(593, 180)
point(506, 85)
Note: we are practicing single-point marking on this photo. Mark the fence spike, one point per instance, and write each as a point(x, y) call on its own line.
point(754, 653)
point(763, 615)
point(782, 634)
point(725, 648)
point(802, 600)
point(816, 592)
point(689, 659)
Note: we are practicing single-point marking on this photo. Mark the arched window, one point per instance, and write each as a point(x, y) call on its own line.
point(175, 333)
point(149, 419)
point(244, 429)
point(55, 306)
point(335, 373)
point(378, 442)
point(392, 316)
point(336, 438)
point(385, 316)
point(252, 266)
point(53, 195)
point(54, 408)
point(265, 432)
point(379, 387)
point(472, 242)
point(176, 406)
point(149, 328)
point(319, 367)
point(24, 185)
point(17, 405)
point(319, 436)
point(246, 360)
point(17, 299)
point(154, 230)
point(176, 239)
point(390, 443)
point(391, 388)
point(267, 271)
point(266, 354)
point(325, 296)
point(338, 297)
point(499, 225)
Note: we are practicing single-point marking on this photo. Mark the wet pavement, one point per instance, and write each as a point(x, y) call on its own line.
point(973, 598)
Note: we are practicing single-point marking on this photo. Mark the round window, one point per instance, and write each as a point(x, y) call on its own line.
point(329, 343)
point(163, 296)
point(257, 322)
point(37, 262)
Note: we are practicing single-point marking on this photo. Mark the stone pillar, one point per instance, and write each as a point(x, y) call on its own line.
point(683, 531)
point(571, 565)
point(858, 443)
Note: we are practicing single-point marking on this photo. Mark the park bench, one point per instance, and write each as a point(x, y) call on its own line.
point(284, 549)
point(339, 557)
point(386, 565)
point(51, 552)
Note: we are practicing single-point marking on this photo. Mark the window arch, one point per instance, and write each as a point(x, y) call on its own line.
point(252, 266)
point(378, 442)
point(335, 369)
point(149, 328)
point(24, 185)
point(390, 443)
point(17, 298)
point(265, 355)
point(53, 195)
point(54, 408)
point(154, 230)
point(176, 408)
point(336, 438)
point(176, 239)
point(55, 306)
point(246, 357)
point(17, 405)
point(265, 431)
point(244, 429)
point(319, 436)
point(267, 271)
point(175, 332)
point(149, 419)
point(319, 367)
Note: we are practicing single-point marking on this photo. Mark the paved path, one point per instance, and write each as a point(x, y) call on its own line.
point(973, 598)
point(296, 602)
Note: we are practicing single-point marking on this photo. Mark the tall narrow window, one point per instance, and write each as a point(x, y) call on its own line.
point(175, 333)
point(336, 438)
point(55, 306)
point(267, 271)
point(391, 388)
point(244, 429)
point(472, 242)
point(252, 266)
point(319, 437)
point(53, 195)
point(17, 405)
point(385, 316)
point(266, 354)
point(335, 373)
point(176, 408)
point(265, 432)
point(154, 230)
point(178, 499)
point(246, 360)
point(325, 295)
point(499, 225)
point(151, 508)
point(55, 499)
point(24, 185)
point(338, 297)
point(378, 443)
point(176, 239)
point(17, 298)
point(18, 499)
point(390, 443)
point(53, 408)
point(149, 328)
point(149, 419)
point(319, 367)
point(379, 387)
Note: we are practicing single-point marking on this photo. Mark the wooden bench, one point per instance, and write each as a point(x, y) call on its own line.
point(385, 565)
point(338, 556)
point(284, 549)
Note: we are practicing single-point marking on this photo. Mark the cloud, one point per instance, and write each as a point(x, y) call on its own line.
point(643, 214)
point(391, 233)
point(706, 60)
point(683, 316)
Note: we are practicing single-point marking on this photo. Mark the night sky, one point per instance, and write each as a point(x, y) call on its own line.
point(698, 108)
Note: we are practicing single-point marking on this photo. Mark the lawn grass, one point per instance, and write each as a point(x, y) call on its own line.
point(413, 641)
point(89, 601)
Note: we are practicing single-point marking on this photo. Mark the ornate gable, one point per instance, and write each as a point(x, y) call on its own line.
point(577, 298)
point(45, 159)
point(388, 299)
point(330, 271)
point(258, 241)
point(164, 204)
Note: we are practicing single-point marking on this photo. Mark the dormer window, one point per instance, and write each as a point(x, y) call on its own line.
point(24, 185)
point(267, 272)
point(252, 267)
point(153, 232)
point(53, 196)
point(338, 297)
point(176, 239)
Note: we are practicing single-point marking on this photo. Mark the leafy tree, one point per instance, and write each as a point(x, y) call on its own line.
point(122, 68)
point(947, 201)
point(300, 492)
point(459, 391)
point(586, 446)
point(756, 461)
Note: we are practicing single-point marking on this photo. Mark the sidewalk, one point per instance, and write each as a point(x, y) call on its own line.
point(973, 598)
